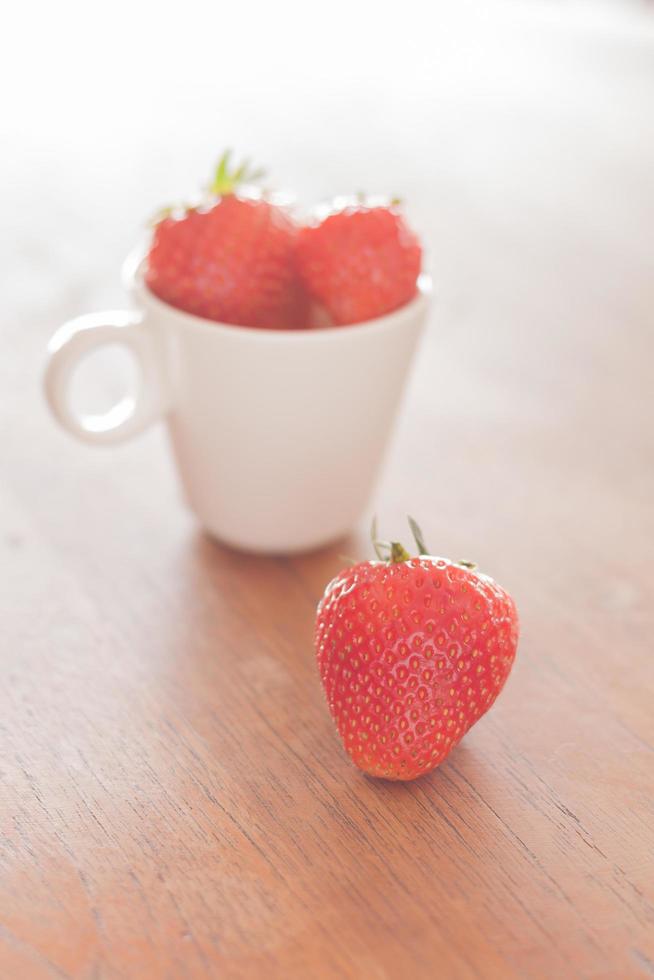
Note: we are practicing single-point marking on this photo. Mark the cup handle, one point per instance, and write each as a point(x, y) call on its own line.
point(129, 416)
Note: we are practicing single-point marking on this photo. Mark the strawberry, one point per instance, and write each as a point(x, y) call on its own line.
point(231, 259)
point(411, 653)
point(360, 262)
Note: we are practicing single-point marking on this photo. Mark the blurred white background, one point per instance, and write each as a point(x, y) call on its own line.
point(110, 110)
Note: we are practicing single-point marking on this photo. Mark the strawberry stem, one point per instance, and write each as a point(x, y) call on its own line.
point(389, 551)
point(398, 553)
point(393, 552)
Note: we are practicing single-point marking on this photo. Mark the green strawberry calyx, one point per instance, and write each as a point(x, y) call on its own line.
point(394, 552)
point(226, 178)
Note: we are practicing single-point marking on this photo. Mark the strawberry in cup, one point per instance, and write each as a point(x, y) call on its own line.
point(275, 351)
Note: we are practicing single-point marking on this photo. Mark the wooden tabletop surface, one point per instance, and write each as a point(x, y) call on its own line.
point(174, 801)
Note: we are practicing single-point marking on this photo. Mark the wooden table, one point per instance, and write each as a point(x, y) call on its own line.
point(173, 799)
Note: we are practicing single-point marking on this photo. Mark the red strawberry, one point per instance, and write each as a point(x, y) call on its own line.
point(411, 652)
point(231, 261)
point(360, 263)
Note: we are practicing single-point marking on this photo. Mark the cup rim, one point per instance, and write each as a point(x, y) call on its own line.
point(134, 281)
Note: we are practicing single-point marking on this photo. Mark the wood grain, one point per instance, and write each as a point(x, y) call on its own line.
point(173, 799)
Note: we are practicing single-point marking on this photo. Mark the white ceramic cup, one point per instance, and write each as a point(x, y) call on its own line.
point(278, 435)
